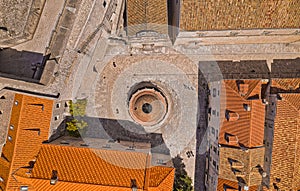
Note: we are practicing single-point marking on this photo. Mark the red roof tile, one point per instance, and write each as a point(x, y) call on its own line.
point(100, 167)
point(27, 135)
point(286, 144)
point(231, 186)
point(78, 168)
point(244, 115)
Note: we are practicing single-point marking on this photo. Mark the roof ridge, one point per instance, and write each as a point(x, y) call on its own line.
point(288, 101)
point(250, 91)
point(233, 91)
point(171, 171)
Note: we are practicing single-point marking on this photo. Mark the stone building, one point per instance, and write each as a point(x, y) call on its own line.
point(235, 153)
point(29, 162)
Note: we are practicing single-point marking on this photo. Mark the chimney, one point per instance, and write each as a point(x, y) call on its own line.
point(243, 89)
point(231, 116)
point(133, 185)
point(54, 177)
point(231, 139)
point(247, 107)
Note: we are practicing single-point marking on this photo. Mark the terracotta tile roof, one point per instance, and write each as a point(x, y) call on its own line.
point(78, 168)
point(161, 179)
point(29, 131)
point(243, 119)
point(100, 167)
point(285, 163)
point(286, 84)
point(142, 13)
point(35, 184)
point(43, 184)
point(231, 185)
point(235, 14)
point(235, 163)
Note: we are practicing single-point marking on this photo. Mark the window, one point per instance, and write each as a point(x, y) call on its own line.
point(214, 112)
point(104, 4)
point(58, 105)
point(11, 127)
point(16, 102)
point(217, 114)
point(1, 179)
point(214, 92)
point(9, 138)
point(215, 149)
point(214, 163)
point(266, 159)
point(56, 117)
point(212, 130)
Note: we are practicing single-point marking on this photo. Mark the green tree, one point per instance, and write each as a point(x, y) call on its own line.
point(76, 124)
point(78, 108)
point(182, 181)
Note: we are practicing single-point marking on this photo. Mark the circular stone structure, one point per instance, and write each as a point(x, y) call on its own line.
point(148, 106)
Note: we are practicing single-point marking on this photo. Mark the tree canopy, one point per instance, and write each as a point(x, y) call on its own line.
point(76, 124)
point(182, 181)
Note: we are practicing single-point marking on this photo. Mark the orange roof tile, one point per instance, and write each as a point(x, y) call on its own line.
point(235, 14)
point(161, 179)
point(235, 162)
point(248, 112)
point(78, 168)
point(231, 186)
point(286, 83)
point(35, 184)
point(29, 131)
point(85, 165)
point(286, 144)
point(99, 167)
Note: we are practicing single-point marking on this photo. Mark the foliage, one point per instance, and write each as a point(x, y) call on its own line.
point(78, 108)
point(182, 181)
point(76, 125)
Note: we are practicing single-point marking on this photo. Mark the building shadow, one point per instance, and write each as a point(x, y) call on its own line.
point(122, 130)
point(22, 65)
